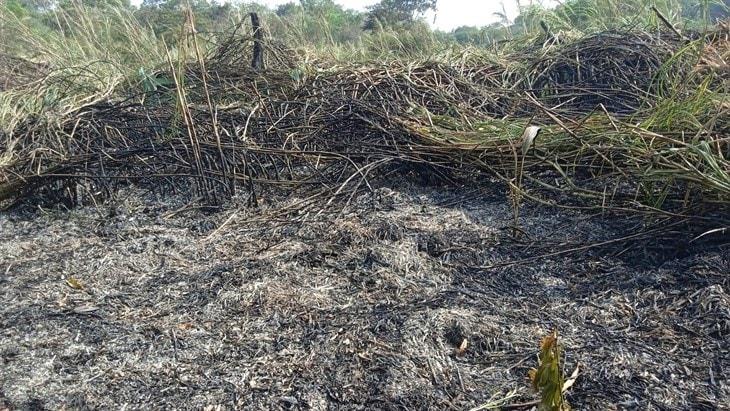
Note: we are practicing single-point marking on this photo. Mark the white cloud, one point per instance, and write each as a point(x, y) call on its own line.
point(450, 13)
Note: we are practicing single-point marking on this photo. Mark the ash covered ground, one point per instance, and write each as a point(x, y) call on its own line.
point(362, 308)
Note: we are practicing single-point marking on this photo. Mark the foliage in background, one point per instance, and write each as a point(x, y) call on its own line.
point(324, 23)
point(396, 13)
point(81, 55)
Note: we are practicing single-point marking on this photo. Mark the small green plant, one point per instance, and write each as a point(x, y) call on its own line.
point(547, 378)
point(151, 83)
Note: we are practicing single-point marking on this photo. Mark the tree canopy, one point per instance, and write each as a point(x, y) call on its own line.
point(391, 13)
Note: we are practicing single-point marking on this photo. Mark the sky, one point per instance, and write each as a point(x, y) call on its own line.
point(450, 15)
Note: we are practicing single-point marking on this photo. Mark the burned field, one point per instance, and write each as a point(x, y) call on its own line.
point(391, 235)
point(355, 310)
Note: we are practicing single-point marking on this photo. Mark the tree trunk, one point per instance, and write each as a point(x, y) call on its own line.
point(258, 47)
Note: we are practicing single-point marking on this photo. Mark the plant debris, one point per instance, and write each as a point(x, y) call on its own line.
point(216, 129)
point(357, 309)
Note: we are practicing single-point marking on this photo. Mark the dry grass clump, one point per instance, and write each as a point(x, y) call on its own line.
point(627, 121)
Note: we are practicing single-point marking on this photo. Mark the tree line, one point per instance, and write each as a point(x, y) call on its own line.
point(324, 21)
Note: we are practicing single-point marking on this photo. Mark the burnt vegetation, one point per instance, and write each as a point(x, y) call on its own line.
point(233, 216)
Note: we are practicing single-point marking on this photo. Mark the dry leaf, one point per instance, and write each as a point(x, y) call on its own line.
point(85, 309)
point(528, 138)
point(462, 347)
point(571, 380)
point(74, 283)
point(185, 326)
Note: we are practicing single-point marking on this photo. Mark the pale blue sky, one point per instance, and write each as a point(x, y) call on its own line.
point(450, 14)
